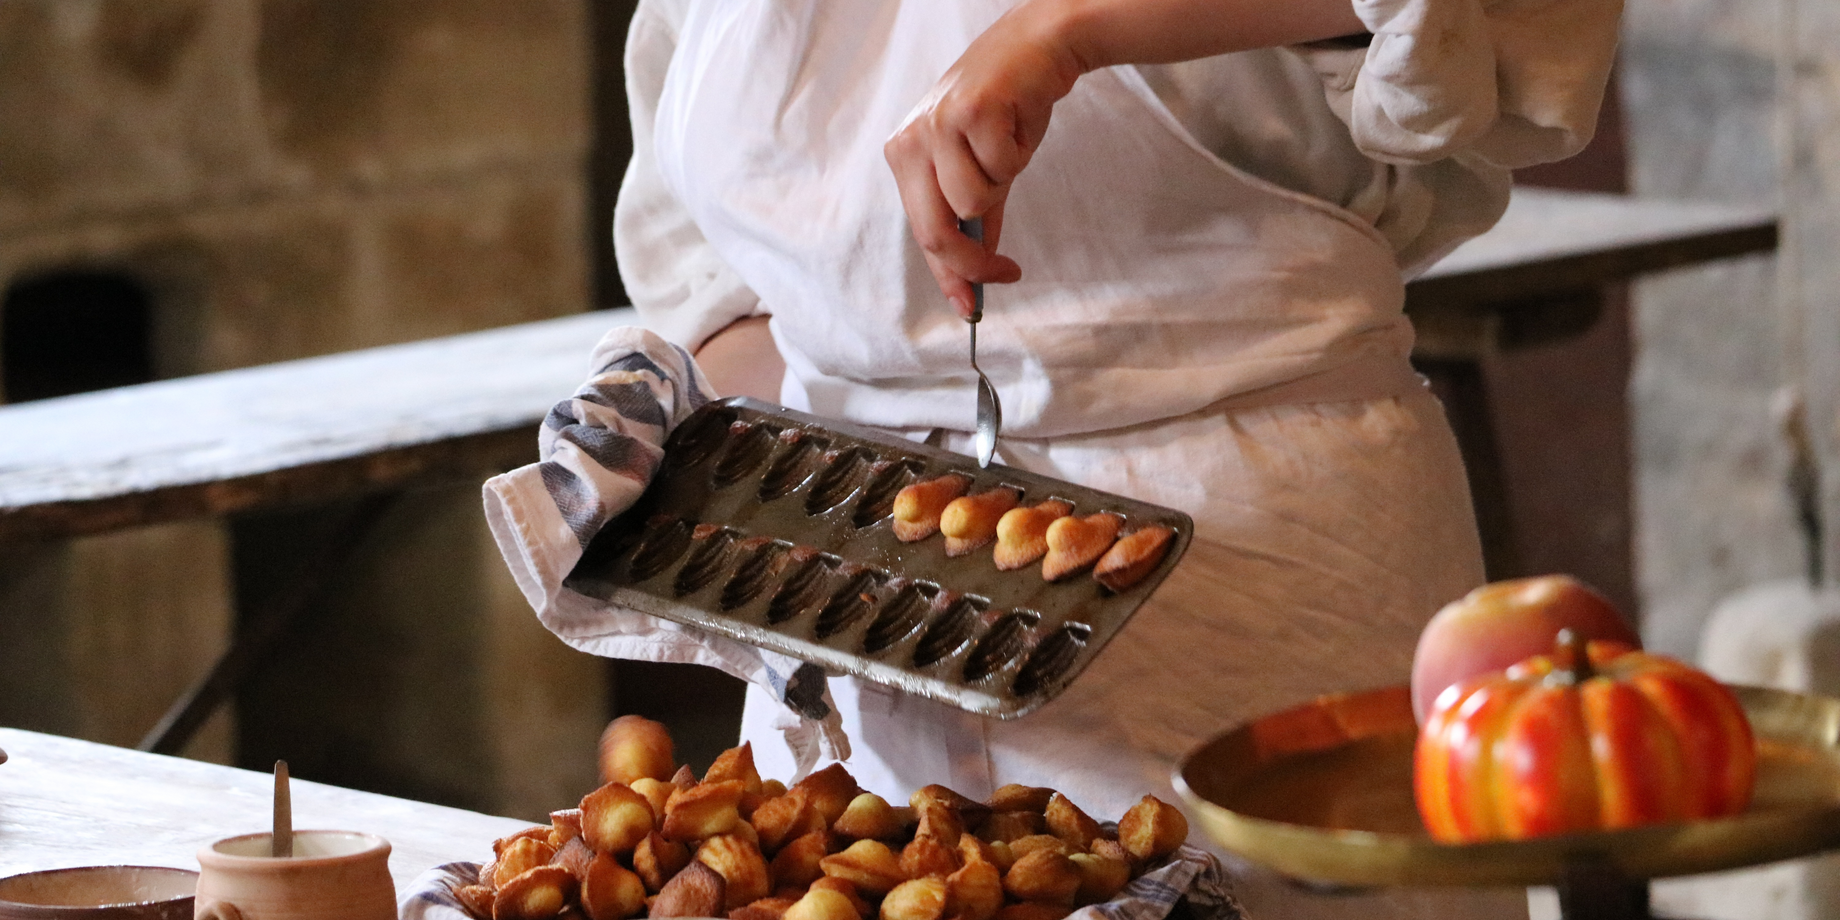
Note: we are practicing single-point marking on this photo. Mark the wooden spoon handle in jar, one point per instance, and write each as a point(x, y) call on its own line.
point(283, 837)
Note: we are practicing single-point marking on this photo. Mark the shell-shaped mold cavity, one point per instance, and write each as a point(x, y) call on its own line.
point(848, 604)
point(792, 465)
point(900, 616)
point(886, 480)
point(1001, 644)
point(837, 480)
point(1051, 659)
point(761, 559)
point(950, 631)
point(692, 444)
point(801, 591)
point(748, 447)
point(708, 557)
point(665, 540)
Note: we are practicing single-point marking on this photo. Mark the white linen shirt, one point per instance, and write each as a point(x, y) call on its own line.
point(1408, 139)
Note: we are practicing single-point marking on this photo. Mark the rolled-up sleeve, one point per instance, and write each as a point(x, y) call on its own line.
point(679, 284)
point(1516, 82)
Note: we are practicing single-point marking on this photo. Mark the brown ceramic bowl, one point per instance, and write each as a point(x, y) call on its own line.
point(99, 893)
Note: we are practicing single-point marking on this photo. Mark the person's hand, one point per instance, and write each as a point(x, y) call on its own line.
point(958, 152)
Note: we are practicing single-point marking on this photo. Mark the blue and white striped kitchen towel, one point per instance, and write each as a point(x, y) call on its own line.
point(598, 450)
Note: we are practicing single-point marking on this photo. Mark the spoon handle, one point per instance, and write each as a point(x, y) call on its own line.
point(974, 227)
point(283, 837)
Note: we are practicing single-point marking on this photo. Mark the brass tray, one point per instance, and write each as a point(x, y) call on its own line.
point(1323, 793)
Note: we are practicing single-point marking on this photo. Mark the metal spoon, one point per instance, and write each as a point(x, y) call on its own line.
point(989, 409)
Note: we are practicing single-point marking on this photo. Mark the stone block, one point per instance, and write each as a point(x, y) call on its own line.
point(98, 636)
point(363, 90)
point(118, 106)
point(486, 253)
point(1713, 506)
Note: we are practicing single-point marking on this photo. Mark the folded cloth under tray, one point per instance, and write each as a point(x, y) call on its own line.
point(599, 450)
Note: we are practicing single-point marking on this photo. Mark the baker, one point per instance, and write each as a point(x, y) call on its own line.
point(1200, 215)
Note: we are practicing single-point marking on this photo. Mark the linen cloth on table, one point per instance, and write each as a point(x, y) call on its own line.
point(599, 449)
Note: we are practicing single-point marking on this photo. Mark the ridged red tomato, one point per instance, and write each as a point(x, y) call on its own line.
point(1628, 738)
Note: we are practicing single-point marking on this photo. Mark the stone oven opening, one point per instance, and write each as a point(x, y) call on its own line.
point(73, 331)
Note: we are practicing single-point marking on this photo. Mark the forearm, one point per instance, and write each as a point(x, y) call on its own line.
point(1102, 33)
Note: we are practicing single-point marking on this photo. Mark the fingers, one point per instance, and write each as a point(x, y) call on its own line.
point(967, 141)
point(955, 260)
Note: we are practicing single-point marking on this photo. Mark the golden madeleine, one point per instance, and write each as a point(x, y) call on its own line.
point(1022, 538)
point(697, 891)
point(575, 857)
point(830, 791)
point(1110, 848)
point(520, 855)
point(785, 818)
point(926, 855)
point(1133, 557)
point(657, 792)
point(614, 819)
point(916, 899)
point(1077, 542)
point(975, 891)
point(703, 810)
point(738, 861)
point(1066, 821)
point(1014, 797)
point(796, 865)
point(1101, 877)
point(1152, 829)
point(609, 891)
point(846, 889)
point(940, 822)
point(735, 763)
point(917, 507)
point(564, 826)
point(656, 860)
point(1023, 846)
point(822, 904)
point(1043, 875)
point(634, 746)
point(868, 864)
point(477, 899)
point(869, 816)
point(535, 894)
point(535, 831)
point(970, 521)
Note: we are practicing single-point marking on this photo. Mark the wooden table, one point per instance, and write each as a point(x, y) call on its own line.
point(65, 802)
point(373, 421)
point(1538, 278)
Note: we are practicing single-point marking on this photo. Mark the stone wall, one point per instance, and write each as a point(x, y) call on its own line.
point(1736, 102)
point(290, 178)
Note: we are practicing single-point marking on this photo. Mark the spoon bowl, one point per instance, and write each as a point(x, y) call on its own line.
point(989, 408)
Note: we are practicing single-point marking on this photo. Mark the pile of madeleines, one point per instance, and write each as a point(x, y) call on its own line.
point(1047, 531)
point(656, 841)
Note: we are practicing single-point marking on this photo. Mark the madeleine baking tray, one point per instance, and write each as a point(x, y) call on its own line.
point(772, 527)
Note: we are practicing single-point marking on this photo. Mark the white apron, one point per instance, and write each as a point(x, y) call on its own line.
point(1185, 333)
